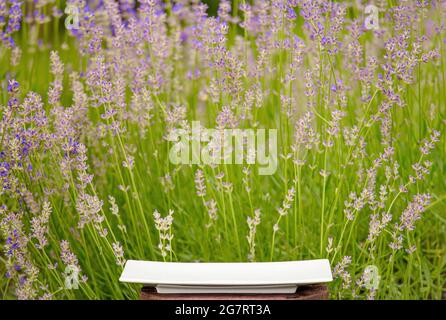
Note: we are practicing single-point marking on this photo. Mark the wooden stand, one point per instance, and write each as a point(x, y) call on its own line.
point(310, 292)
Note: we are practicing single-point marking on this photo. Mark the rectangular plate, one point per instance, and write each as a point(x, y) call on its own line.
point(226, 273)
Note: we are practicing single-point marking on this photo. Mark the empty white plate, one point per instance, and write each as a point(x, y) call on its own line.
point(249, 277)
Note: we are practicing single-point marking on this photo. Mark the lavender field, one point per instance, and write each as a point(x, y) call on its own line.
point(95, 94)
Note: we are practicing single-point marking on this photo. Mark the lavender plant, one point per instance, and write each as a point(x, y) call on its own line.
point(86, 116)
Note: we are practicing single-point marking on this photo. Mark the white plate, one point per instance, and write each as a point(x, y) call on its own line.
point(227, 274)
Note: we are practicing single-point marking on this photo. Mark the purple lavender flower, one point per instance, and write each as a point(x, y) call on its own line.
point(15, 16)
point(13, 86)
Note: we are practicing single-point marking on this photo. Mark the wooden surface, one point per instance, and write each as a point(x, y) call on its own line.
point(310, 292)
